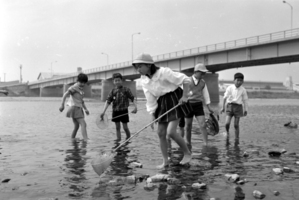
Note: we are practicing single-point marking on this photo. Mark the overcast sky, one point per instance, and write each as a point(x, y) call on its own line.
point(73, 33)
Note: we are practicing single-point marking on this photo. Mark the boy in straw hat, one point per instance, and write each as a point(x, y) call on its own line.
point(235, 96)
point(197, 97)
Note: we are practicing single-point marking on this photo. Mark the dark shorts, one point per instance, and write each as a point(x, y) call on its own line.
point(120, 116)
point(75, 112)
point(197, 110)
point(235, 110)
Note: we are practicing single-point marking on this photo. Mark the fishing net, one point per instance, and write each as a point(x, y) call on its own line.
point(102, 123)
point(102, 162)
point(212, 125)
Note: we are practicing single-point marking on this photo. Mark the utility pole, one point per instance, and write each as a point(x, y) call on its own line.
point(21, 74)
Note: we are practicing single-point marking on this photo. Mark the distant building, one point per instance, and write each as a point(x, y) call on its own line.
point(288, 83)
point(49, 75)
point(8, 83)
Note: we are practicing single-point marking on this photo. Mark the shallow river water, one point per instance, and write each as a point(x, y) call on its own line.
point(39, 160)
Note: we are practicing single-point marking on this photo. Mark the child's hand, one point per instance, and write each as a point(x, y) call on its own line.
point(134, 111)
point(102, 116)
point(211, 111)
point(222, 110)
point(87, 112)
point(183, 100)
point(153, 119)
point(61, 108)
point(245, 113)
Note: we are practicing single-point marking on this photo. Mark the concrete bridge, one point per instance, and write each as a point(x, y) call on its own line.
point(272, 48)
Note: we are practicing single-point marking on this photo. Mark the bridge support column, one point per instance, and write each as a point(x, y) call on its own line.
point(213, 86)
point(40, 91)
point(107, 86)
point(87, 91)
point(65, 87)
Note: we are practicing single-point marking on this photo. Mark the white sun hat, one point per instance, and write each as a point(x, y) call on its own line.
point(200, 67)
point(144, 58)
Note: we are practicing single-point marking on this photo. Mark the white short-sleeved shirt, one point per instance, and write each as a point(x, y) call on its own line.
point(237, 95)
point(163, 81)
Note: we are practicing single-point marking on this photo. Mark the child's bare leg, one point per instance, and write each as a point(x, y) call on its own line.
point(237, 129)
point(126, 129)
point(117, 127)
point(227, 123)
point(83, 128)
point(76, 127)
point(188, 130)
point(201, 122)
point(162, 127)
point(171, 131)
point(182, 131)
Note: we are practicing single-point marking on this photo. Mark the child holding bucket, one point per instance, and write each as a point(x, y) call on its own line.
point(120, 96)
point(235, 96)
point(162, 90)
point(77, 105)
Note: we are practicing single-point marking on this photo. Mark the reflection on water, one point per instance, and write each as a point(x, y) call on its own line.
point(75, 163)
point(42, 161)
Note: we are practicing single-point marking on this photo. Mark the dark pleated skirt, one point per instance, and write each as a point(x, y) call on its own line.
point(168, 101)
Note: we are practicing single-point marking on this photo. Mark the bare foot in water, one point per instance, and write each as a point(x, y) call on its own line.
point(187, 158)
point(163, 165)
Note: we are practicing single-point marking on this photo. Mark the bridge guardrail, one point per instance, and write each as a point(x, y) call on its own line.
point(260, 39)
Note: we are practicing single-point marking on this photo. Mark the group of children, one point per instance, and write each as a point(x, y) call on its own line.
point(164, 89)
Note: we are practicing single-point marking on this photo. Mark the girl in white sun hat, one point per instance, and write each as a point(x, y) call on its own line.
point(162, 90)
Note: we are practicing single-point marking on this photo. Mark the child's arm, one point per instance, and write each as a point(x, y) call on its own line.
point(66, 94)
point(135, 109)
point(132, 98)
point(245, 102)
point(105, 108)
point(223, 105)
point(85, 108)
point(206, 97)
point(186, 90)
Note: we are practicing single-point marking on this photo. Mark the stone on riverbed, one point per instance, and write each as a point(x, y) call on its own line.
point(149, 186)
point(135, 165)
point(258, 195)
point(232, 177)
point(287, 169)
point(278, 171)
point(199, 185)
point(158, 178)
point(276, 193)
point(274, 153)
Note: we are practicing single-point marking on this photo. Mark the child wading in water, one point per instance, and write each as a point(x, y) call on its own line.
point(198, 96)
point(120, 96)
point(162, 90)
point(235, 96)
point(77, 105)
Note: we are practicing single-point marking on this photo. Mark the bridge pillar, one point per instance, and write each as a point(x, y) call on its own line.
point(87, 91)
point(51, 91)
point(40, 91)
point(211, 80)
point(107, 86)
point(65, 87)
